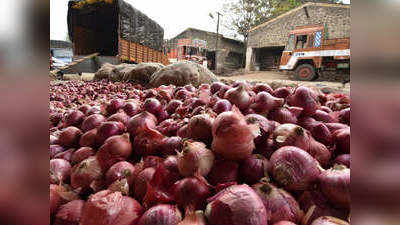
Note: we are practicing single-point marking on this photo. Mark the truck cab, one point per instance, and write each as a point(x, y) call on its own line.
point(308, 52)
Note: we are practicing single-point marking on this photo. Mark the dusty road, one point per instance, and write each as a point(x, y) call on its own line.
point(271, 76)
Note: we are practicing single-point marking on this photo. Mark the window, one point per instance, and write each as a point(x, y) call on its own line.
point(290, 44)
point(311, 41)
point(301, 41)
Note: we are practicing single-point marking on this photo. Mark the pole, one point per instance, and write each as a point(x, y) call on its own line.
point(216, 41)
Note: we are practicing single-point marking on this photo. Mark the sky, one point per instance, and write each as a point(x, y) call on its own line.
point(173, 15)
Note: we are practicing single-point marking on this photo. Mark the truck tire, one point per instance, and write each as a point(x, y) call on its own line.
point(305, 72)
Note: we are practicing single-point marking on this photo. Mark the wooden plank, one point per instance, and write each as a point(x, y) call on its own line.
point(75, 62)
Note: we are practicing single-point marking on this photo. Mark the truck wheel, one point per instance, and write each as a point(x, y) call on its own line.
point(305, 72)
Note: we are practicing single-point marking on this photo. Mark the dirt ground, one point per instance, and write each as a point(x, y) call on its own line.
point(272, 76)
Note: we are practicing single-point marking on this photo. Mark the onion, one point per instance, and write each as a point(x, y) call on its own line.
point(327, 220)
point(55, 198)
point(253, 169)
point(335, 184)
point(184, 131)
point(308, 122)
point(74, 118)
point(66, 155)
point(140, 121)
point(131, 108)
point(115, 149)
point(173, 105)
point(343, 159)
point(151, 161)
point(152, 106)
point(92, 121)
point(122, 170)
point(280, 205)
point(190, 88)
point(171, 145)
point(260, 87)
point(342, 140)
point(233, 138)
point(239, 97)
point(216, 86)
point(284, 223)
point(265, 102)
point(55, 118)
point(111, 208)
point(82, 154)
point(162, 214)
point(266, 149)
point(70, 213)
point(236, 205)
point(344, 116)
point(119, 117)
point(86, 172)
point(88, 139)
point(54, 150)
point(183, 94)
point(193, 218)
point(191, 191)
point(326, 109)
point(285, 114)
point(303, 97)
point(60, 170)
point(53, 140)
point(169, 127)
point(148, 142)
point(141, 182)
point(294, 168)
point(223, 172)
point(69, 137)
point(323, 116)
point(282, 92)
point(94, 110)
point(223, 90)
point(200, 128)
point(265, 126)
point(322, 134)
point(108, 129)
point(335, 126)
point(85, 109)
point(221, 106)
point(114, 105)
point(195, 158)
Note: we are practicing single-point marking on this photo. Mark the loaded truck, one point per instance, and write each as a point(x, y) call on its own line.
point(309, 53)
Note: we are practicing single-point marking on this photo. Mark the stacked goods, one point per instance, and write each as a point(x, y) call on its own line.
point(240, 154)
point(142, 72)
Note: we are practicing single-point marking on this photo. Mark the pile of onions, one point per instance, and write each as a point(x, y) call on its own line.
point(236, 205)
point(195, 159)
point(233, 138)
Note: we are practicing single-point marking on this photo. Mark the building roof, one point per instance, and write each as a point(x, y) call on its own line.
point(208, 32)
point(60, 44)
point(299, 8)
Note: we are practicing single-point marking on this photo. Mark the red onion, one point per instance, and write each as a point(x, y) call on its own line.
point(131, 108)
point(266, 149)
point(335, 184)
point(92, 121)
point(335, 126)
point(284, 223)
point(141, 182)
point(89, 139)
point(86, 172)
point(148, 142)
point(184, 132)
point(193, 218)
point(265, 126)
point(151, 161)
point(66, 155)
point(169, 127)
point(200, 128)
point(343, 159)
point(162, 214)
point(303, 97)
point(60, 170)
point(223, 172)
point(152, 106)
point(342, 140)
point(216, 86)
point(285, 114)
point(282, 92)
point(81, 154)
point(236, 205)
point(70, 213)
point(55, 118)
point(84, 108)
point(171, 145)
point(265, 102)
point(183, 94)
point(119, 117)
point(122, 170)
point(308, 122)
point(111, 208)
point(115, 149)
point(191, 191)
point(294, 168)
point(239, 97)
point(114, 105)
point(253, 169)
point(323, 116)
point(53, 140)
point(173, 105)
point(322, 134)
point(326, 109)
point(223, 90)
point(94, 110)
point(108, 129)
point(327, 220)
point(280, 205)
point(74, 118)
point(69, 137)
point(262, 87)
point(233, 138)
point(190, 88)
point(140, 121)
point(221, 106)
point(55, 198)
point(344, 116)
point(54, 150)
point(195, 158)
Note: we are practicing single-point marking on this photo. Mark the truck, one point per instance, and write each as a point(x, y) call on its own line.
point(309, 53)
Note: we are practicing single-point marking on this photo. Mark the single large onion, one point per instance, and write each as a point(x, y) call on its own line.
point(54, 150)
point(335, 184)
point(81, 154)
point(119, 117)
point(221, 106)
point(141, 182)
point(92, 121)
point(131, 108)
point(223, 172)
point(74, 118)
point(86, 172)
point(253, 169)
point(66, 155)
point(195, 158)
point(173, 105)
point(162, 214)
point(152, 106)
point(266, 127)
point(122, 170)
point(294, 169)
point(327, 220)
point(148, 142)
point(280, 205)
point(111, 208)
point(140, 121)
point(239, 97)
point(284, 115)
point(114, 105)
point(282, 92)
point(323, 116)
point(304, 97)
point(265, 102)
point(60, 170)
point(200, 128)
point(171, 145)
point(116, 148)
point(233, 138)
point(191, 191)
point(236, 205)
point(259, 87)
point(322, 134)
point(89, 139)
point(70, 213)
point(69, 137)
point(108, 129)
point(343, 159)
point(344, 116)
point(342, 140)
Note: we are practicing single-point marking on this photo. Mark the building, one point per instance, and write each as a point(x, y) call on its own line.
point(62, 50)
point(267, 41)
point(199, 43)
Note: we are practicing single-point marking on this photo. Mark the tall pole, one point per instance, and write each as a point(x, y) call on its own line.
point(216, 41)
